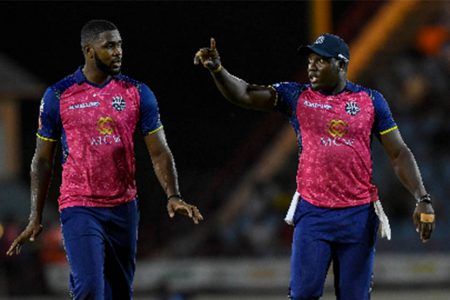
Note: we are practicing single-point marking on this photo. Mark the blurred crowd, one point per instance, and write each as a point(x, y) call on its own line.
point(416, 83)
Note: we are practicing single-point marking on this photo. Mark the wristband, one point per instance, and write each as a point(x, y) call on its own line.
point(425, 198)
point(218, 69)
point(175, 196)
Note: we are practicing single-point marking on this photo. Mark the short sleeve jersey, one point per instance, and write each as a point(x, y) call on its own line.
point(95, 125)
point(334, 134)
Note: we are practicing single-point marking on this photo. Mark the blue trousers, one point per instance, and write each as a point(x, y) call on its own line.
point(100, 244)
point(344, 236)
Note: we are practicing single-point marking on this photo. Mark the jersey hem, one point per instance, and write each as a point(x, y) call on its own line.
point(87, 203)
point(342, 205)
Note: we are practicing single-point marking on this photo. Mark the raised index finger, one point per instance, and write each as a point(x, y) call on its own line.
point(213, 44)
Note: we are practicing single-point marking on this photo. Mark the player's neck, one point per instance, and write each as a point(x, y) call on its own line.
point(339, 87)
point(95, 75)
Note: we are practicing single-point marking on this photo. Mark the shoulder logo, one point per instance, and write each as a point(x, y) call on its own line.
point(352, 108)
point(118, 103)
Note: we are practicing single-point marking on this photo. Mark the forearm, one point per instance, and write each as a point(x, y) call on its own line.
point(41, 171)
point(243, 94)
point(407, 171)
point(165, 170)
point(231, 87)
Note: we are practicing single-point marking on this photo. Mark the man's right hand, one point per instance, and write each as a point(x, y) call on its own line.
point(424, 220)
point(209, 57)
point(32, 230)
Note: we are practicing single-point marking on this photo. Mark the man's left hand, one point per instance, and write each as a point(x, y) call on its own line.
point(181, 207)
point(424, 220)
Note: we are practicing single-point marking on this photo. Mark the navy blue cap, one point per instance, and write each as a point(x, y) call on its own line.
point(328, 45)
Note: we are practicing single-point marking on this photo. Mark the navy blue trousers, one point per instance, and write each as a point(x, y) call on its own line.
point(100, 244)
point(344, 236)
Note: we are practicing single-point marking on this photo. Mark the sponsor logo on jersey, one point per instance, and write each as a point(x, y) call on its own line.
point(118, 103)
point(106, 127)
point(85, 105)
point(352, 108)
point(317, 105)
point(337, 129)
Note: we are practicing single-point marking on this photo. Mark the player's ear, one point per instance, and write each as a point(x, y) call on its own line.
point(87, 51)
point(342, 65)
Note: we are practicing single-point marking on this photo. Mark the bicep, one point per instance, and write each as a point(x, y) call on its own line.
point(261, 98)
point(393, 143)
point(156, 143)
point(45, 150)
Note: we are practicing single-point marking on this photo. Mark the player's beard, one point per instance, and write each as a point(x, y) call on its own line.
point(104, 67)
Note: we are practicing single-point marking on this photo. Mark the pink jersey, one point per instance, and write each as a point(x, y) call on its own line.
point(335, 132)
point(95, 125)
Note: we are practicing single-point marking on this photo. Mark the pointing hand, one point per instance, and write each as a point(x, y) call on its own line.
point(209, 57)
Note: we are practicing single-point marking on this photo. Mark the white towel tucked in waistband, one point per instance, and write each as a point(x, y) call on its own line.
point(384, 230)
point(291, 211)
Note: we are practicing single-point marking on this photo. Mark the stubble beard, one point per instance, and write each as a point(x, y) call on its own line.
point(104, 67)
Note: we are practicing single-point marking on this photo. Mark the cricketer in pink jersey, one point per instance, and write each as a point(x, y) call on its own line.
point(94, 113)
point(96, 126)
point(336, 129)
point(336, 219)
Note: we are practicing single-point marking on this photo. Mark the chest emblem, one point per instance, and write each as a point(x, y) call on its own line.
point(337, 128)
point(352, 108)
point(105, 125)
point(118, 103)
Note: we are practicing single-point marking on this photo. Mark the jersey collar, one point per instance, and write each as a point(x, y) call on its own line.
point(348, 87)
point(80, 78)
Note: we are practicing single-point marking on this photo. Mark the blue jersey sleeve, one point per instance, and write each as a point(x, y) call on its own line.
point(287, 97)
point(149, 112)
point(384, 122)
point(49, 117)
point(286, 103)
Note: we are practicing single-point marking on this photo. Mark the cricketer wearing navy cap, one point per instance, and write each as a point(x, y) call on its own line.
point(328, 45)
point(335, 208)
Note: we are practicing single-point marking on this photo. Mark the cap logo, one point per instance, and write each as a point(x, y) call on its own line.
point(320, 40)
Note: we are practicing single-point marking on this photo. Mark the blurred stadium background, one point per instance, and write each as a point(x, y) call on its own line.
point(238, 166)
